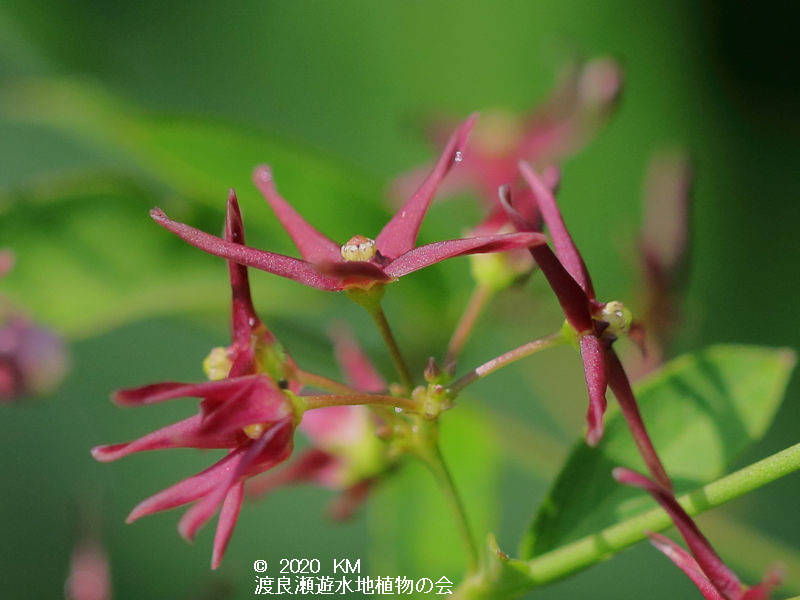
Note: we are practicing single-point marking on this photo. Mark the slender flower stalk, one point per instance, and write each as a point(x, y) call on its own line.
point(427, 449)
point(480, 297)
point(312, 402)
point(324, 383)
point(506, 359)
point(379, 317)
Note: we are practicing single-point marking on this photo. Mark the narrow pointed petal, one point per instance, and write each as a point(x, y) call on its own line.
point(350, 500)
point(313, 245)
point(355, 364)
point(621, 386)
point(227, 521)
point(400, 233)
point(572, 298)
point(199, 514)
point(687, 564)
point(169, 390)
point(424, 256)
point(243, 316)
point(183, 434)
point(593, 355)
point(260, 402)
point(566, 250)
point(722, 578)
point(277, 264)
point(763, 590)
point(6, 261)
point(313, 465)
point(189, 489)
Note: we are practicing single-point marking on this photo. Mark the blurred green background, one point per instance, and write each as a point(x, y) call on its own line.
point(109, 108)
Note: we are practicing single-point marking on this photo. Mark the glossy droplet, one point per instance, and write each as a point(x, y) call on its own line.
point(459, 156)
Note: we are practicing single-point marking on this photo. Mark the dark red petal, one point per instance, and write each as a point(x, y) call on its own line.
point(593, 355)
point(355, 364)
point(618, 381)
point(721, 577)
point(313, 245)
point(573, 300)
point(227, 521)
point(199, 514)
point(277, 264)
point(169, 390)
point(183, 434)
point(400, 233)
point(260, 402)
point(424, 256)
point(566, 250)
point(687, 564)
point(243, 316)
point(189, 489)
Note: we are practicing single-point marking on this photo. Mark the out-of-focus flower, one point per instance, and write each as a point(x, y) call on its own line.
point(577, 108)
point(346, 454)
point(89, 573)
point(243, 411)
point(702, 564)
point(360, 262)
point(595, 324)
point(33, 359)
point(664, 249)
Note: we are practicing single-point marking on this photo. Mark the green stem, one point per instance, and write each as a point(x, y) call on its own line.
point(324, 383)
point(511, 578)
point(357, 399)
point(592, 549)
point(480, 297)
point(400, 364)
point(506, 359)
point(431, 455)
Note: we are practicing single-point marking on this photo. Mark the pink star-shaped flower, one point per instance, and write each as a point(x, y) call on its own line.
point(581, 102)
point(361, 262)
point(596, 324)
point(245, 412)
point(703, 565)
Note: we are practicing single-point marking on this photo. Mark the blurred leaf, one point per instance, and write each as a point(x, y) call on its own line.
point(702, 411)
point(413, 532)
point(199, 158)
point(88, 257)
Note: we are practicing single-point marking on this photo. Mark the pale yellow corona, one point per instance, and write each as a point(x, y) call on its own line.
point(217, 364)
point(254, 431)
point(358, 248)
point(617, 316)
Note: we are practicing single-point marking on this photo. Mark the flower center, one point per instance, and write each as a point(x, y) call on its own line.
point(217, 364)
point(254, 431)
point(617, 316)
point(358, 248)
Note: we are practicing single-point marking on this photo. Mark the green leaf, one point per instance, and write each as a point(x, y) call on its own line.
point(199, 158)
point(702, 411)
point(88, 257)
point(413, 532)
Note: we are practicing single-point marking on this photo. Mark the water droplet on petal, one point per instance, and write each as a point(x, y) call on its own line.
point(251, 321)
point(459, 156)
